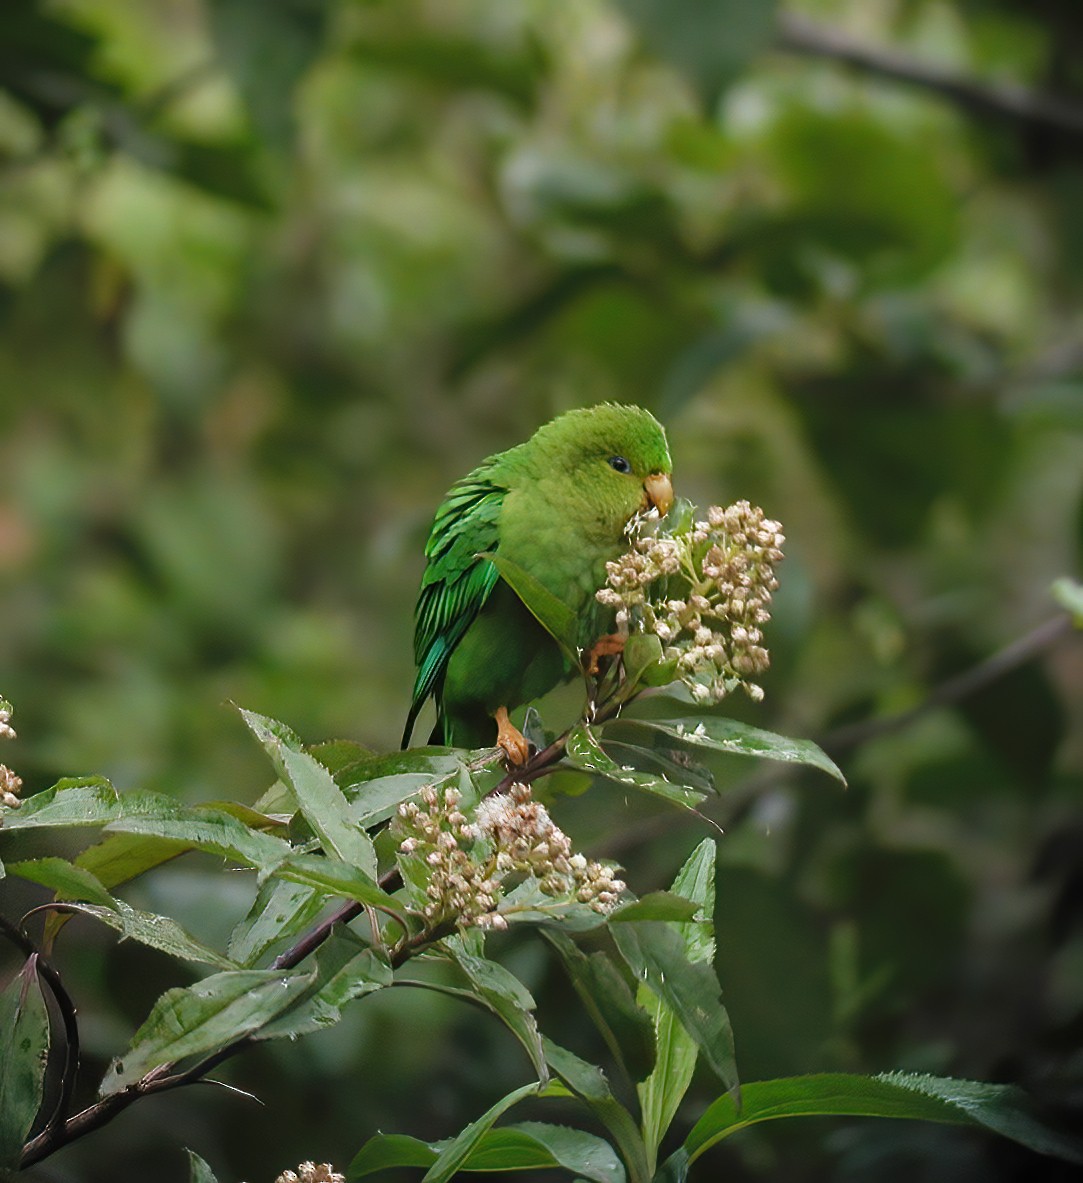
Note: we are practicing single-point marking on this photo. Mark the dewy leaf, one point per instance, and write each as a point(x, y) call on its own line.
point(24, 1051)
point(662, 1092)
point(657, 956)
point(728, 735)
point(609, 1001)
point(345, 970)
point(90, 801)
point(334, 877)
point(194, 1020)
point(1002, 1108)
point(583, 751)
point(280, 910)
point(655, 905)
point(159, 932)
point(504, 994)
point(588, 1082)
point(452, 1157)
point(558, 620)
point(318, 797)
point(71, 881)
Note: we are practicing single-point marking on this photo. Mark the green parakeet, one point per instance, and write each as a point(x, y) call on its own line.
point(557, 506)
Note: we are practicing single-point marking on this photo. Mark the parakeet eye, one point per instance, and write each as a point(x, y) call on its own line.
point(620, 464)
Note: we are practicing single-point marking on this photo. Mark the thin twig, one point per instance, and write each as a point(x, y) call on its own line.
point(955, 689)
point(997, 100)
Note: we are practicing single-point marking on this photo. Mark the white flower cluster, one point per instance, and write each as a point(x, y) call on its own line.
point(512, 835)
point(10, 784)
point(460, 887)
point(309, 1172)
point(527, 840)
point(706, 594)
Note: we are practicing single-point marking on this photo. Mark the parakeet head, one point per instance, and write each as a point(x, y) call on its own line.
point(614, 456)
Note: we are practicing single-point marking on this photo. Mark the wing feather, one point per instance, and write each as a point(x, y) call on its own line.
point(456, 582)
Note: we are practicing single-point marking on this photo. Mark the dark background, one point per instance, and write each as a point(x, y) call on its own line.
point(272, 275)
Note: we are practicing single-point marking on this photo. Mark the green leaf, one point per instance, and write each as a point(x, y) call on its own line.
point(317, 796)
point(524, 1146)
point(610, 1002)
point(280, 910)
point(656, 905)
point(1002, 1108)
point(198, 1170)
point(195, 1020)
point(86, 801)
point(558, 620)
point(24, 1052)
point(452, 1157)
point(345, 970)
point(588, 1082)
point(644, 664)
point(334, 877)
point(503, 993)
point(70, 881)
point(583, 751)
point(657, 956)
point(662, 1092)
point(728, 735)
point(200, 828)
point(148, 928)
point(710, 41)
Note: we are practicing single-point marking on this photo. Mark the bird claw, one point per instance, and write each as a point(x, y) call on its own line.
point(608, 646)
point(511, 740)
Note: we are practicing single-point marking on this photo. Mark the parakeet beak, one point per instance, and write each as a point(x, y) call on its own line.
point(659, 489)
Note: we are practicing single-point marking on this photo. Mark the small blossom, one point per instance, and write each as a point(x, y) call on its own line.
point(724, 566)
point(309, 1172)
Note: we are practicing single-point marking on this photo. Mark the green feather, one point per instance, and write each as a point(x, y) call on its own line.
point(555, 505)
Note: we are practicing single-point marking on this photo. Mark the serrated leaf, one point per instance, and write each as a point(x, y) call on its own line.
point(334, 877)
point(148, 928)
point(69, 880)
point(345, 970)
point(1002, 1108)
point(588, 1082)
point(24, 1053)
point(661, 1093)
point(198, 828)
point(720, 734)
point(611, 1004)
point(280, 910)
point(195, 1020)
point(506, 996)
point(316, 794)
point(657, 956)
point(86, 801)
point(583, 751)
point(452, 1157)
point(558, 620)
point(656, 905)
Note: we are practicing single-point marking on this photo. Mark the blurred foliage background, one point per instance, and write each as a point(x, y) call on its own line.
point(273, 275)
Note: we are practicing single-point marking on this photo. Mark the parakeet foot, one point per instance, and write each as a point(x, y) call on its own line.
point(608, 646)
point(511, 739)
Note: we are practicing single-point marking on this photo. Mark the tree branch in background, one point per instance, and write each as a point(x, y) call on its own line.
point(1017, 653)
point(1002, 100)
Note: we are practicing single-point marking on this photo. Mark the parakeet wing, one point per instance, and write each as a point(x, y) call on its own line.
point(456, 582)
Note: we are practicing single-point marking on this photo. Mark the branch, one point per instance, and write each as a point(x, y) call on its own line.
point(955, 689)
point(1002, 100)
